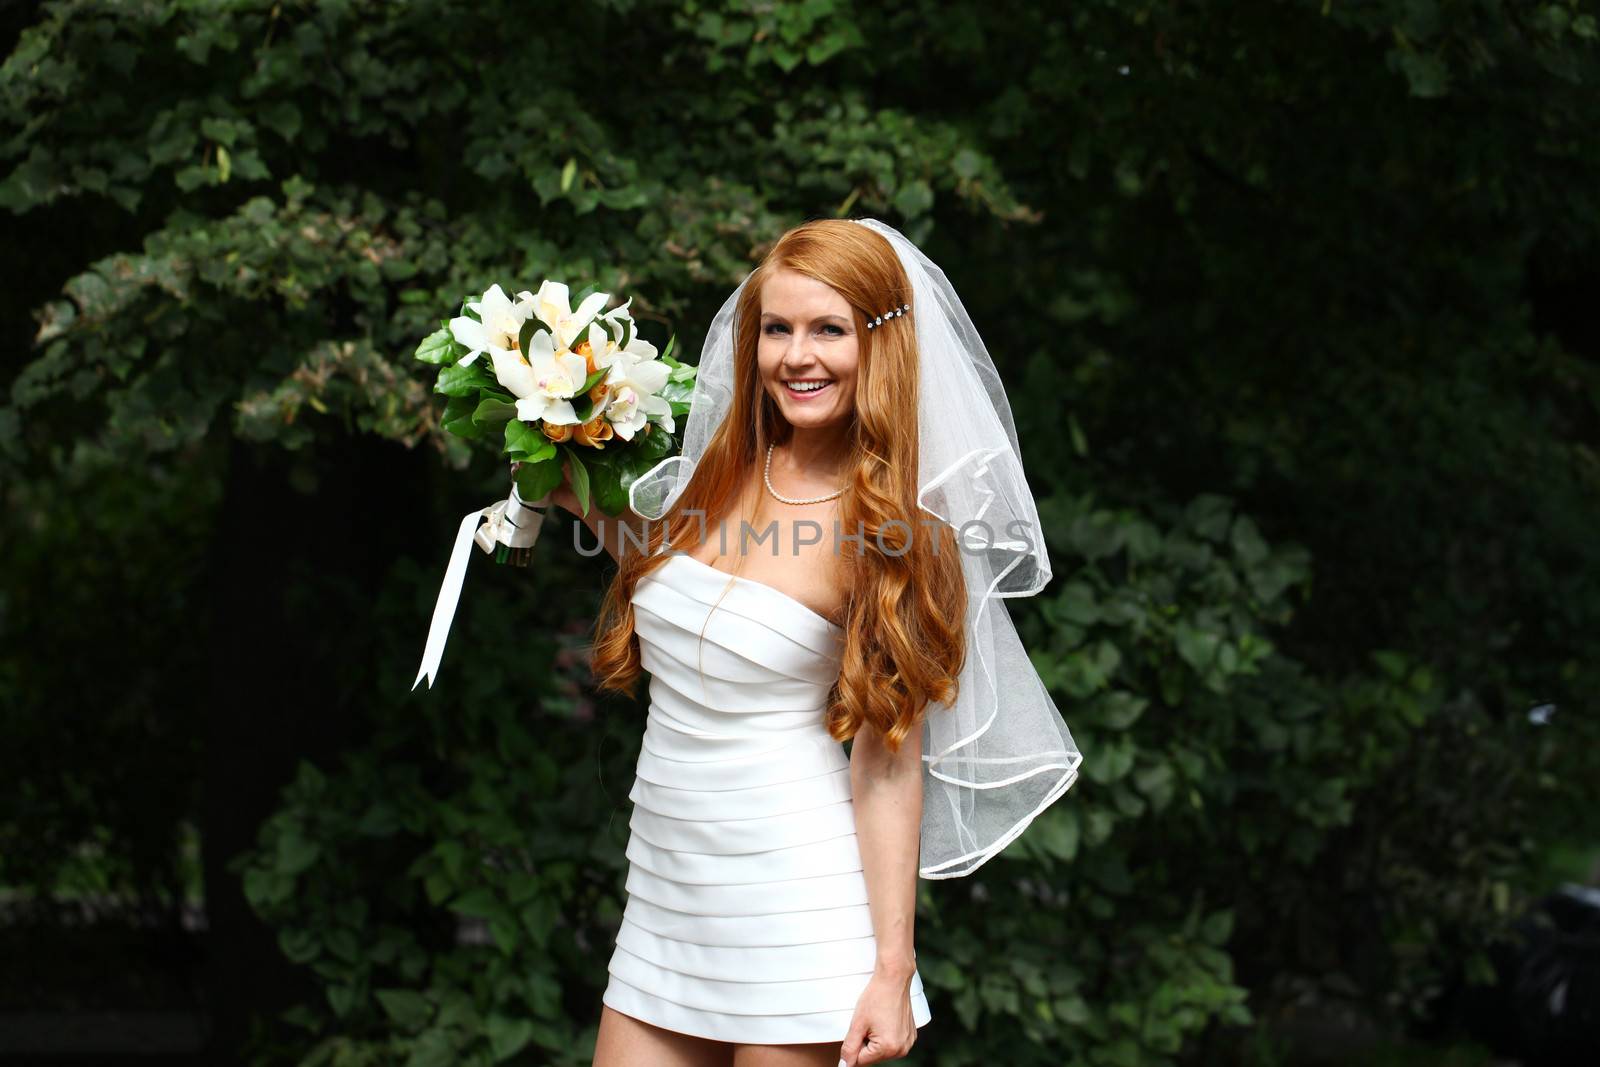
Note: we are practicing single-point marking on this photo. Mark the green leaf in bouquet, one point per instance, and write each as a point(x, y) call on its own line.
point(529, 328)
point(467, 312)
point(605, 482)
point(613, 471)
point(457, 418)
point(527, 443)
point(542, 451)
point(678, 395)
point(491, 411)
point(582, 332)
point(618, 328)
point(582, 402)
point(666, 353)
point(458, 380)
point(580, 479)
point(438, 347)
point(535, 480)
point(652, 447)
point(594, 379)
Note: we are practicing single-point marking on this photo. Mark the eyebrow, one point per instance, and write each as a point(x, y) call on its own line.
point(819, 318)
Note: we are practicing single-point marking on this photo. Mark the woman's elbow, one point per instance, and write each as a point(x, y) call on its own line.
point(873, 763)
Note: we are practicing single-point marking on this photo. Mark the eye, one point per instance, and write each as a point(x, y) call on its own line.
point(774, 327)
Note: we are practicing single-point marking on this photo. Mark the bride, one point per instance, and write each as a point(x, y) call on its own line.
point(818, 566)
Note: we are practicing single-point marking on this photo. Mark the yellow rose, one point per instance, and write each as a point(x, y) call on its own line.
point(594, 432)
point(584, 349)
point(557, 434)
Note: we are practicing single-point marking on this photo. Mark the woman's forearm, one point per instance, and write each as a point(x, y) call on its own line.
point(887, 794)
point(606, 529)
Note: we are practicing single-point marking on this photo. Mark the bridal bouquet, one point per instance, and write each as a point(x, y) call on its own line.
point(560, 385)
point(558, 388)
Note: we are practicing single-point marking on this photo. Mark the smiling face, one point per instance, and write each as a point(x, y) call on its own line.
point(807, 355)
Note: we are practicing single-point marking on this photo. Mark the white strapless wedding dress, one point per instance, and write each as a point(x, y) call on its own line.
point(747, 916)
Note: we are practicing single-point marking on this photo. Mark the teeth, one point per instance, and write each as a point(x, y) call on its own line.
point(806, 387)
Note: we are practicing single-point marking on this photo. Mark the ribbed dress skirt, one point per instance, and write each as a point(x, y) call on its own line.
point(747, 916)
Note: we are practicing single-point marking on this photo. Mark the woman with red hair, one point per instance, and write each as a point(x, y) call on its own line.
point(816, 567)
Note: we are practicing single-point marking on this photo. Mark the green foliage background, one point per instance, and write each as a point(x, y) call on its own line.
point(1293, 302)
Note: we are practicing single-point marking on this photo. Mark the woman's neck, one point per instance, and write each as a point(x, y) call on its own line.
point(815, 453)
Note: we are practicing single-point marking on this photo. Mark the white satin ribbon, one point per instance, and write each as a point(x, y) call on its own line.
point(512, 522)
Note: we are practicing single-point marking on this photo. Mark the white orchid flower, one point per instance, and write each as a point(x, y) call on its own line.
point(605, 354)
point(637, 347)
point(543, 381)
point(553, 304)
point(602, 349)
point(501, 322)
point(640, 349)
point(620, 360)
point(633, 397)
point(620, 314)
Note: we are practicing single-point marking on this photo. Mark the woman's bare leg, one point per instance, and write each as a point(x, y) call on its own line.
point(624, 1041)
point(825, 1054)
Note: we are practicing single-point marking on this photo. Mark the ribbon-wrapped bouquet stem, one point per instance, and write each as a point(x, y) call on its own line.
point(569, 393)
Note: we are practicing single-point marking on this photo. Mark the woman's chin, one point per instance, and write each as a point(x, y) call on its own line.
point(808, 418)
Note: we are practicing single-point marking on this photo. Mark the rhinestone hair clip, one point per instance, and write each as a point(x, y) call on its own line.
point(879, 320)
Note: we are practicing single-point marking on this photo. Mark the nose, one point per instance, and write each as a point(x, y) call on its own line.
point(799, 354)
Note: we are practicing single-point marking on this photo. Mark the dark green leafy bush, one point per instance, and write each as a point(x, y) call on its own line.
point(1294, 304)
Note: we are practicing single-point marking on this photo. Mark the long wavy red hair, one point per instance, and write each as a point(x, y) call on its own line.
point(904, 629)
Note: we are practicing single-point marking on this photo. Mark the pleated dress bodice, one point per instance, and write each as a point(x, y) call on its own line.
point(747, 917)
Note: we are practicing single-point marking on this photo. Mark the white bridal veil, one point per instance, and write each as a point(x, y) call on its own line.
point(1001, 753)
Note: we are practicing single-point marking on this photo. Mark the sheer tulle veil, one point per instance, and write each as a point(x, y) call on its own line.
point(1001, 752)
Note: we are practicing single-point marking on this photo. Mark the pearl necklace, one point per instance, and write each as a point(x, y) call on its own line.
point(766, 476)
